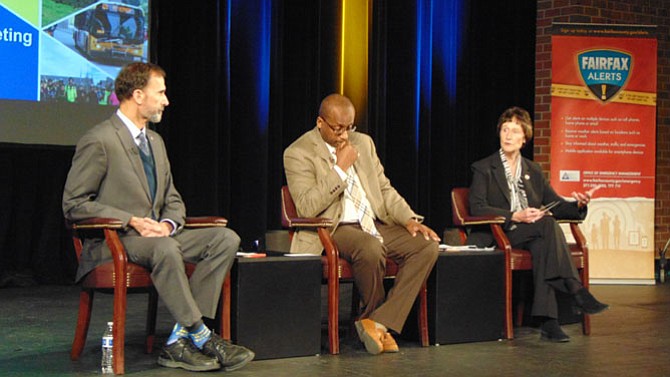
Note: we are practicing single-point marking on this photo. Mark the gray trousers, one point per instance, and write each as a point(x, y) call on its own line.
point(212, 249)
point(415, 256)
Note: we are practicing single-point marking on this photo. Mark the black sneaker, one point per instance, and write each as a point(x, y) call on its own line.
point(230, 356)
point(184, 354)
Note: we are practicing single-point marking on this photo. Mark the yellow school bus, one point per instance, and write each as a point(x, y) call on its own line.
point(112, 31)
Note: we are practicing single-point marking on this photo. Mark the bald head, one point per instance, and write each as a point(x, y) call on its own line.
point(335, 102)
point(336, 119)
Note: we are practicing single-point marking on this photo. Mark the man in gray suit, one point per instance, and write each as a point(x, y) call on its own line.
point(121, 170)
point(335, 172)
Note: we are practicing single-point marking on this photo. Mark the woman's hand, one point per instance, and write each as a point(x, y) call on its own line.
point(528, 215)
point(584, 199)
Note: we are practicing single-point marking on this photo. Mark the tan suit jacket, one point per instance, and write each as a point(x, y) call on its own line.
point(318, 190)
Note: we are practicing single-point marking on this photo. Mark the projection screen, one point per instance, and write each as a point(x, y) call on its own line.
point(58, 61)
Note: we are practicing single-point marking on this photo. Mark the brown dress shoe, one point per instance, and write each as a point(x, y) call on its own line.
point(370, 335)
point(389, 343)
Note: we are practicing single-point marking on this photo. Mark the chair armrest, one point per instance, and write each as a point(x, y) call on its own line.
point(108, 227)
point(482, 220)
point(98, 227)
point(569, 221)
point(309, 222)
point(96, 223)
point(501, 239)
point(205, 222)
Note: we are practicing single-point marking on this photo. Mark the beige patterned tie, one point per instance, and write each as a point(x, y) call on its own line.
point(365, 215)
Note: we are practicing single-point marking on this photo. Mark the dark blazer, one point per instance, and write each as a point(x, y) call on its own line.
point(107, 179)
point(490, 195)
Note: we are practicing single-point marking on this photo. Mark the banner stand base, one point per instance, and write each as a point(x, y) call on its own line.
point(622, 281)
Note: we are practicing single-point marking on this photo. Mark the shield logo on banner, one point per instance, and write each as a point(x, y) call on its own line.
point(604, 72)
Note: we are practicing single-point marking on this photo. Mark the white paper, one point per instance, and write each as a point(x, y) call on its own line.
point(445, 247)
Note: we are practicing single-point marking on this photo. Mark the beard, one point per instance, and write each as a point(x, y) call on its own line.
point(156, 117)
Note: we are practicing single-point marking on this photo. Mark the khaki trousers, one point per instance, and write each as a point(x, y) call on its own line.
point(415, 257)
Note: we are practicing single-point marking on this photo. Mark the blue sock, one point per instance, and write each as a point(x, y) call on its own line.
point(178, 332)
point(200, 336)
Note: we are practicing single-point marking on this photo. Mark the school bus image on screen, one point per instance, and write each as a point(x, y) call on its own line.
point(111, 31)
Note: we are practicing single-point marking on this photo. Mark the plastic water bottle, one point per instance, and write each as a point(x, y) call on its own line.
point(107, 342)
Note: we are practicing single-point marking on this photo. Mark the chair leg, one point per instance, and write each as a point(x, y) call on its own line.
point(355, 303)
point(520, 310)
point(224, 326)
point(586, 319)
point(586, 324)
point(83, 321)
point(509, 327)
point(119, 329)
point(333, 316)
point(151, 321)
point(355, 310)
point(423, 316)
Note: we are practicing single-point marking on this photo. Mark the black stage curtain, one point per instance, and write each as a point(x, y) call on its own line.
point(227, 157)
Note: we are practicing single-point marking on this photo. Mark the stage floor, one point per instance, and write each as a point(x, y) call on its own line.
point(632, 338)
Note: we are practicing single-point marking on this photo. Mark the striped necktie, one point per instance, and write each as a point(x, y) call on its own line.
point(365, 215)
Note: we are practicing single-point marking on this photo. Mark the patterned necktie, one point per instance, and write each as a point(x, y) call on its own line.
point(365, 215)
point(148, 164)
point(144, 145)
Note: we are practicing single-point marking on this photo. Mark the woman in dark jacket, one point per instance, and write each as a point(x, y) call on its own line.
point(507, 184)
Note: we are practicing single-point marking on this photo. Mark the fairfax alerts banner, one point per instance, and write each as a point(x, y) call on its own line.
point(603, 134)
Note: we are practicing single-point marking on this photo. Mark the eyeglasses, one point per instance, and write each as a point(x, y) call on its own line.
point(339, 130)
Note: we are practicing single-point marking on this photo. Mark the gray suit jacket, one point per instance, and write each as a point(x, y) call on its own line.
point(107, 179)
point(490, 195)
point(318, 190)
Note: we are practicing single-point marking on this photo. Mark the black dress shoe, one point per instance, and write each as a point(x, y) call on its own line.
point(587, 303)
point(184, 354)
point(230, 356)
point(552, 332)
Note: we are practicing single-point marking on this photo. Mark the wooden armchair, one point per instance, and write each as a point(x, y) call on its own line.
point(121, 277)
point(336, 269)
point(517, 259)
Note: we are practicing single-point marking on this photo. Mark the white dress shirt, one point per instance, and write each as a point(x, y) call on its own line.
point(349, 212)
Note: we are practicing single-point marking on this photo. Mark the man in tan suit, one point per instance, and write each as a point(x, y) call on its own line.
point(120, 169)
point(334, 172)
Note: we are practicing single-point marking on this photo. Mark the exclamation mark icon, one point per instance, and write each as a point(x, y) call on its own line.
point(604, 89)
